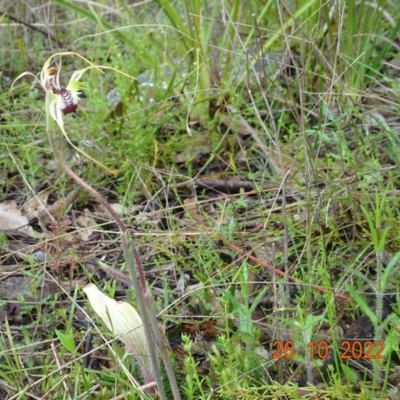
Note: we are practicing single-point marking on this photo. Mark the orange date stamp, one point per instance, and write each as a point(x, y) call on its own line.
point(349, 349)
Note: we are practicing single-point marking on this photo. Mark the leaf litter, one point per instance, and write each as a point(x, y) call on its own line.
point(12, 219)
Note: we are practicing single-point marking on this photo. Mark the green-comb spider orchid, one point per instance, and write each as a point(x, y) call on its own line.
point(61, 101)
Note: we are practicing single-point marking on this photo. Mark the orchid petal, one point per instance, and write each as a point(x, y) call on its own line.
point(47, 64)
point(56, 78)
point(45, 78)
point(77, 75)
point(45, 75)
point(56, 114)
point(25, 74)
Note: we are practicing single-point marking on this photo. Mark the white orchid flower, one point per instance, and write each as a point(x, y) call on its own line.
point(61, 101)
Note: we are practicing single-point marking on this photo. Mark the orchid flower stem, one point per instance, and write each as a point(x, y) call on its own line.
point(163, 349)
point(145, 301)
point(127, 247)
